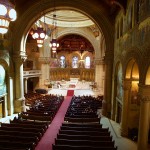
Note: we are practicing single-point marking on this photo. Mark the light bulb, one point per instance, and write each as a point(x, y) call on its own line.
point(12, 14)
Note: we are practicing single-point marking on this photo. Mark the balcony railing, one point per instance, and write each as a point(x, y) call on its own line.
point(31, 73)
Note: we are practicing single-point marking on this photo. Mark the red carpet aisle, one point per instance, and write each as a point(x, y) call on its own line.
point(51, 133)
point(70, 92)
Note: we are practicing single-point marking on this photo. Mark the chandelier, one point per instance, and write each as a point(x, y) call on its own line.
point(53, 43)
point(39, 35)
point(7, 14)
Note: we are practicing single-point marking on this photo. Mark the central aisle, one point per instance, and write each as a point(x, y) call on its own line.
point(49, 137)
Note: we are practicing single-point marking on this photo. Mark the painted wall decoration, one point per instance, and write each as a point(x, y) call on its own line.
point(2, 80)
point(119, 83)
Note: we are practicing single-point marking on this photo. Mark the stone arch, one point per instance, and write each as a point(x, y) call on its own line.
point(31, 14)
point(90, 37)
point(132, 75)
point(133, 54)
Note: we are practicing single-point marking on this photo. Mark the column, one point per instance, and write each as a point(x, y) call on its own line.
point(125, 107)
point(5, 112)
point(19, 86)
point(108, 84)
point(26, 85)
point(144, 97)
point(99, 75)
point(114, 105)
point(10, 96)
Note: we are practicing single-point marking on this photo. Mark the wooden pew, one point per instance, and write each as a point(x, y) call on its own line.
point(30, 122)
point(43, 127)
point(22, 129)
point(92, 133)
point(19, 138)
point(11, 148)
point(84, 128)
point(12, 144)
point(38, 118)
point(81, 116)
point(20, 133)
point(84, 137)
point(82, 120)
point(84, 143)
point(92, 125)
point(69, 147)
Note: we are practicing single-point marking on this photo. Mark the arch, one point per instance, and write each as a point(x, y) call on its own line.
point(31, 14)
point(86, 34)
point(132, 56)
point(132, 71)
point(132, 76)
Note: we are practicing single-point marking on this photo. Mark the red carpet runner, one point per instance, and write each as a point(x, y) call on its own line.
point(70, 92)
point(51, 133)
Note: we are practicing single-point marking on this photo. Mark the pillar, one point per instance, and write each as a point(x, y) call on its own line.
point(10, 104)
point(125, 107)
point(99, 75)
point(108, 84)
point(114, 94)
point(144, 97)
point(26, 85)
point(19, 86)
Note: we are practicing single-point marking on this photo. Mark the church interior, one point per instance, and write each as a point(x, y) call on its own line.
point(72, 70)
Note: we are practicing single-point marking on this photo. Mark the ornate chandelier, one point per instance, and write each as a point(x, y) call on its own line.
point(39, 34)
point(7, 14)
point(53, 43)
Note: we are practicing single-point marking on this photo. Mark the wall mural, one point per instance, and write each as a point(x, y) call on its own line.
point(2, 81)
point(119, 83)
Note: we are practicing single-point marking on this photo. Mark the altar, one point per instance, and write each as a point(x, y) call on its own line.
point(73, 82)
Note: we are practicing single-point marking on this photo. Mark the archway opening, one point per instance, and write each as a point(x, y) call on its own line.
point(77, 35)
point(133, 108)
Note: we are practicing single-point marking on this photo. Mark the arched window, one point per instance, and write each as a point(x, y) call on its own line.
point(87, 62)
point(75, 62)
point(62, 62)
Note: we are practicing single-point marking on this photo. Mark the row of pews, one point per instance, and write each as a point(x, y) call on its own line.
point(25, 131)
point(81, 129)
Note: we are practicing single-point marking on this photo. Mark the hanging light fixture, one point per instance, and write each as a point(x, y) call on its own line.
point(39, 33)
point(53, 43)
point(7, 14)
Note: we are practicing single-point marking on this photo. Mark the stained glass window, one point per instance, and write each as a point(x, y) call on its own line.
point(87, 62)
point(75, 62)
point(62, 61)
